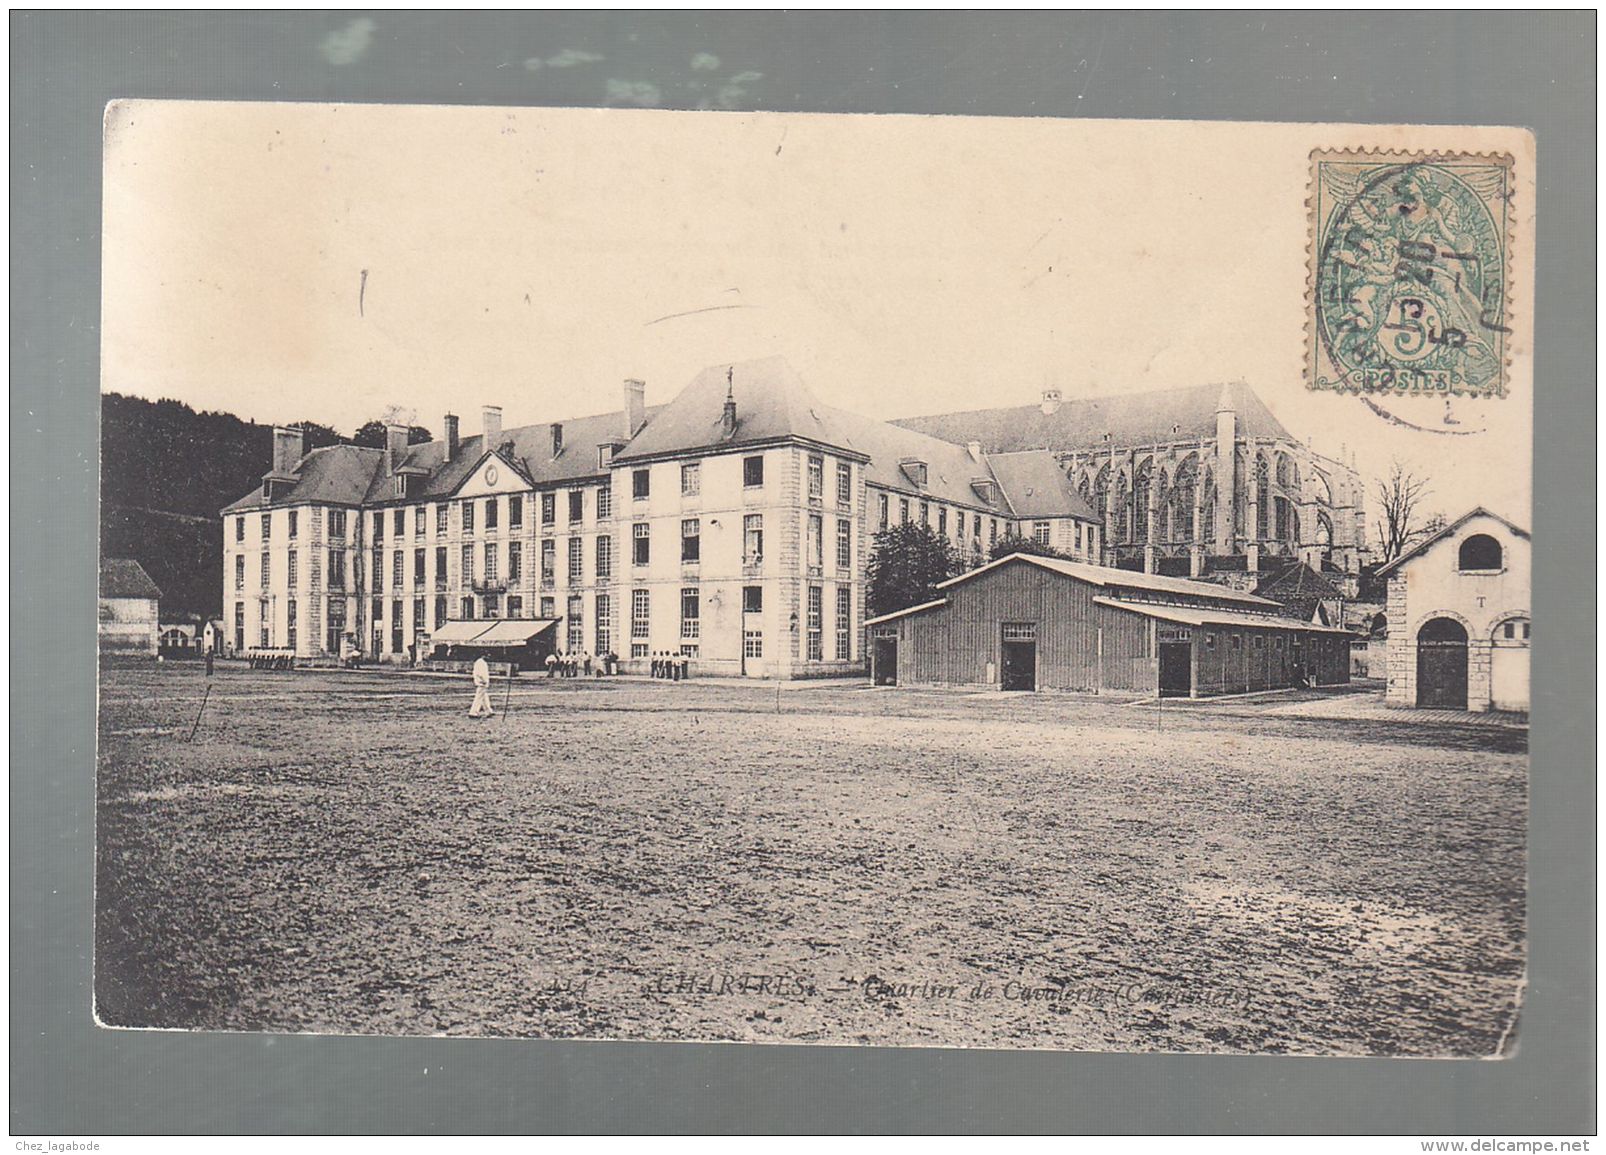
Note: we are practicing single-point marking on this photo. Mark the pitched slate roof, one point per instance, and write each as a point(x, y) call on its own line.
point(1037, 487)
point(1111, 578)
point(949, 467)
point(335, 475)
point(122, 577)
point(1080, 423)
point(1298, 589)
point(1429, 543)
point(772, 403)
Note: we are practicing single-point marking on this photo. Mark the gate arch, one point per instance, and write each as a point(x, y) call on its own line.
point(1441, 664)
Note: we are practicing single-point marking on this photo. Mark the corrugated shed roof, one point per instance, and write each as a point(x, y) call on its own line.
point(1036, 485)
point(771, 403)
point(1189, 616)
point(123, 577)
point(1080, 423)
point(1108, 577)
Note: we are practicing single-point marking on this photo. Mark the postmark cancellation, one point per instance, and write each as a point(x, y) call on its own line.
point(1409, 273)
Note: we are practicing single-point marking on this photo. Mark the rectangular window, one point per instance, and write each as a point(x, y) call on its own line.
point(752, 643)
point(419, 522)
point(337, 524)
point(515, 606)
point(604, 557)
point(493, 605)
point(396, 575)
point(239, 535)
point(239, 571)
point(549, 508)
point(396, 640)
point(1078, 536)
point(691, 541)
point(844, 623)
point(379, 570)
point(577, 553)
point(844, 483)
point(337, 570)
point(265, 625)
point(492, 510)
point(267, 527)
point(548, 608)
point(440, 612)
point(604, 624)
point(639, 605)
point(515, 561)
point(418, 571)
point(290, 568)
point(815, 624)
point(689, 622)
point(293, 520)
point(440, 567)
point(604, 501)
point(844, 543)
point(467, 563)
point(441, 514)
point(515, 512)
point(577, 633)
point(290, 623)
point(638, 649)
point(925, 513)
point(549, 561)
point(577, 506)
point(816, 477)
point(882, 516)
point(1040, 532)
point(992, 531)
point(752, 472)
point(1210, 641)
point(379, 525)
point(239, 625)
point(1020, 631)
point(468, 517)
point(942, 521)
point(903, 511)
point(816, 543)
point(641, 544)
point(266, 564)
point(691, 479)
point(490, 561)
point(753, 539)
point(399, 522)
point(418, 616)
point(467, 609)
point(1237, 641)
point(976, 529)
point(640, 484)
point(752, 599)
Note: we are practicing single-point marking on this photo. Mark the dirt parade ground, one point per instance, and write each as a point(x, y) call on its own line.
point(349, 852)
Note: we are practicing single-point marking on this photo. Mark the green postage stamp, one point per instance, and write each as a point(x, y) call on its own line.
point(1409, 272)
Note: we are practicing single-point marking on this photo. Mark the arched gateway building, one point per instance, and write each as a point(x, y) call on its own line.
point(1200, 481)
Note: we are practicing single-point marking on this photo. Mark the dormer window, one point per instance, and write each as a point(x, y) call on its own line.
point(401, 485)
point(915, 470)
point(985, 488)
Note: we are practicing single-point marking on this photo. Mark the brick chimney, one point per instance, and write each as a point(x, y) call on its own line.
point(727, 417)
point(288, 448)
point(491, 426)
point(395, 445)
point(450, 425)
point(635, 406)
point(557, 438)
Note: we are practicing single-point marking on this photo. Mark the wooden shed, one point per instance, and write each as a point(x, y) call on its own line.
point(1030, 623)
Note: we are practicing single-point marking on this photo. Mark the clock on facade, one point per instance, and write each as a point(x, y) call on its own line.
point(490, 475)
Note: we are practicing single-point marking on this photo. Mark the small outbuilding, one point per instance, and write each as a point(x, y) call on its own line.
point(1459, 617)
point(129, 621)
point(1029, 623)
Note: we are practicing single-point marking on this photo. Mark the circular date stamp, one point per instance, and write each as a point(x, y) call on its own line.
point(1409, 265)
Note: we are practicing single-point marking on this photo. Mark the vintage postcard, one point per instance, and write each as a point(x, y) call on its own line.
point(904, 581)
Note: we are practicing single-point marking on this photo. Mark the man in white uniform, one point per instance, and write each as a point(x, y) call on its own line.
point(482, 690)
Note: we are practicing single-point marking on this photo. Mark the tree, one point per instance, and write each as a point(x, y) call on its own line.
point(1401, 523)
point(1013, 543)
point(372, 434)
point(315, 435)
point(907, 562)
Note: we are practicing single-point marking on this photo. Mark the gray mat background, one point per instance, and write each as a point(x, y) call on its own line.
point(69, 1077)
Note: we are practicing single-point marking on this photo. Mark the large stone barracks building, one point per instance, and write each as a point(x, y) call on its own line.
point(731, 525)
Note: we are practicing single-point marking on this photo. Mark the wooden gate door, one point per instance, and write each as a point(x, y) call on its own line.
point(1441, 665)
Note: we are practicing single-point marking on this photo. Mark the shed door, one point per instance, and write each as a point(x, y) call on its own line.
point(1018, 668)
point(1176, 669)
point(1441, 665)
point(884, 658)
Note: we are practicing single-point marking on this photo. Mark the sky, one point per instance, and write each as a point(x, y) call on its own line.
point(321, 262)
